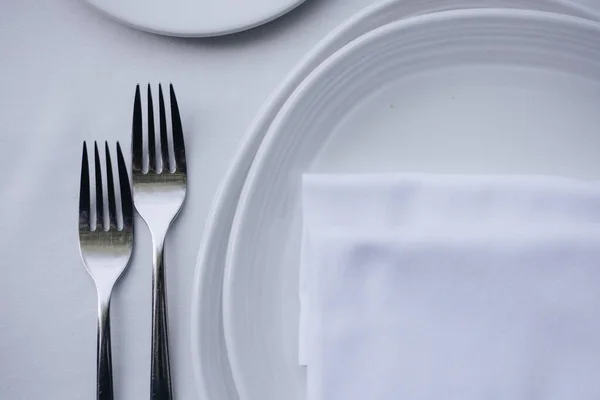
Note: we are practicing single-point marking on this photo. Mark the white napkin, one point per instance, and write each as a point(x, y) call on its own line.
point(434, 203)
point(459, 316)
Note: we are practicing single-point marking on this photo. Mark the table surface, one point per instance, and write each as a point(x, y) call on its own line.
point(67, 74)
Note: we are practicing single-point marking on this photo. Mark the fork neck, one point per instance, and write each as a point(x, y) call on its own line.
point(104, 292)
point(158, 251)
point(158, 241)
point(104, 381)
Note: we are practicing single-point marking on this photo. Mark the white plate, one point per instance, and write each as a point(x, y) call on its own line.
point(471, 91)
point(210, 361)
point(195, 18)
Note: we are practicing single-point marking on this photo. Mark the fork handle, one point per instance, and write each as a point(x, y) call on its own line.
point(104, 381)
point(160, 380)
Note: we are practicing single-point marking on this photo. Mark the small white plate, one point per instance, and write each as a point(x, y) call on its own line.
point(470, 91)
point(211, 365)
point(195, 18)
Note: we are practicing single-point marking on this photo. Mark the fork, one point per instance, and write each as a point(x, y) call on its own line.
point(159, 192)
point(105, 249)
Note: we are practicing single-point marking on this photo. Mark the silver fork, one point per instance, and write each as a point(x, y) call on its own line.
point(158, 192)
point(105, 249)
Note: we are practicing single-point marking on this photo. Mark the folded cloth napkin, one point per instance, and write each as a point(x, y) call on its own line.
point(466, 316)
point(435, 203)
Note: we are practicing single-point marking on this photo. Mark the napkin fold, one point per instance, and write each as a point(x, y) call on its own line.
point(455, 315)
point(424, 204)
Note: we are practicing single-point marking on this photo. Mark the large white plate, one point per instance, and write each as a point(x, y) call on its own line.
point(195, 18)
point(211, 365)
point(471, 91)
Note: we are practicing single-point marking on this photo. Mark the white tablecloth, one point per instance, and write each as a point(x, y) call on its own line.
point(67, 74)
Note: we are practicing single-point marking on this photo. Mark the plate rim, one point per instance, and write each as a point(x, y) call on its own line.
point(274, 131)
point(169, 30)
point(216, 231)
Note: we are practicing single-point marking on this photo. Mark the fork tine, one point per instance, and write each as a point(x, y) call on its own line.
point(152, 164)
point(137, 133)
point(178, 144)
point(126, 199)
point(164, 141)
point(112, 209)
point(99, 195)
point(84, 190)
